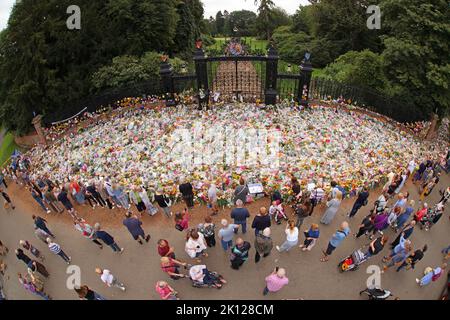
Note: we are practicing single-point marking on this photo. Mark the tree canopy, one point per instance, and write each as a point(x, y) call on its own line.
point(44, 65)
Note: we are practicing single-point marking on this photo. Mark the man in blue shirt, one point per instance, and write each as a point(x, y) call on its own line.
point(240, 215)
point(336, 240)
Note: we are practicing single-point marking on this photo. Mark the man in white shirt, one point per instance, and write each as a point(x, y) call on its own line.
point(109, 279)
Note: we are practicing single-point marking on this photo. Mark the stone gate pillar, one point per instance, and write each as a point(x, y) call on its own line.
point(201, 71)
point(37, 123)
point(166, 73)
point(306, 70)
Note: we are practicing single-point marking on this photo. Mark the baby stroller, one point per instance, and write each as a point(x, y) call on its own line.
point(431, 217)
point(376, 293)
point(211, 279)
point(351, 262)
point(277, 212)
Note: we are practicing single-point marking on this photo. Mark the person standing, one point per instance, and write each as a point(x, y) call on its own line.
point(3, 249)
point(240, 215)
point(63, 198)
point(336, 240)
point(87, 231)
point(41, 235)
point(431, 275)
point(376, 246)
point(404, 216)
point(165, 291)
point(135, 198)
point(109, 279)
point(239, 253)
point(32, 288)
point(56, 249)
point(380, 222)
point(291, 237)
point(195, 245)
point(50, 198)
point(142, 192)
point(405, 233)
point(361, 200)
point(23, 257)
point(241, 192)
point(163, 202)
point(302, 212)
point(106, 238)
point(311, 237)
point(3, 180)
point(275, 281)
point(187, 192)
point(133, 225)
point(41, 223)
point(165, 250)
point(263, 244)
point(85, 293)
point(333, 207)
point(212, 199)
point(38, 198)
point(92, 189)
point(413, 258)
point(34, 251)
point(261, 221)
point(208, 230)
point(7, 198)
point(171, 267)
point(226, 234)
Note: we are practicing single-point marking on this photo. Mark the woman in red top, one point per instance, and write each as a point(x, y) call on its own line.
point(170, 266)
point(164, 249)
point(182, 220)
point(76, 190)
point(420, 214)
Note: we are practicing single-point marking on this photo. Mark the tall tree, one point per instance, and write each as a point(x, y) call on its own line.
point(416, 55)
point(220, 22)
point(44, 65)
point(264, 10)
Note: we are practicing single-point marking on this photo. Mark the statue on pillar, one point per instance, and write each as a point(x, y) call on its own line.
point(37, 123)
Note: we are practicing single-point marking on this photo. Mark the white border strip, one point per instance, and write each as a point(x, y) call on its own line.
point(58, 122)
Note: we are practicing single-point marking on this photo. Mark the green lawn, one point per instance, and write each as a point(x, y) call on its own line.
point(7, 148)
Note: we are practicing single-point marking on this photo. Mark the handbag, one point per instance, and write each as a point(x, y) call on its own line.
point(179, 227)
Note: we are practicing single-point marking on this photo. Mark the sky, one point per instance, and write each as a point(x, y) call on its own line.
point(211, 7)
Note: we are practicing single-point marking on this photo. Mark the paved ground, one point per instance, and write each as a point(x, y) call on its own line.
point(138, 266)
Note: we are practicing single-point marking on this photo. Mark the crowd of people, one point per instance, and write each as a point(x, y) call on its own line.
point(88, 168)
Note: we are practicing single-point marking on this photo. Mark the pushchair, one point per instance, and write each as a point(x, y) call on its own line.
point(278, 213)
point(431, 217)
point(211, 279)
point(351, 262)
point(376, 293)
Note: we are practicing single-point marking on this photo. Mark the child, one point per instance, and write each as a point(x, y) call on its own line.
point(207, 228)
point(276, 211)
point(182, 220)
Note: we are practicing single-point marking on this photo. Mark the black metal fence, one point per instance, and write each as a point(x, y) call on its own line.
point(258, 77)
point(108, 98)
point(402, 111)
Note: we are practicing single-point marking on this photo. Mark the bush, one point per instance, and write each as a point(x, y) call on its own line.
point(126, 70)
